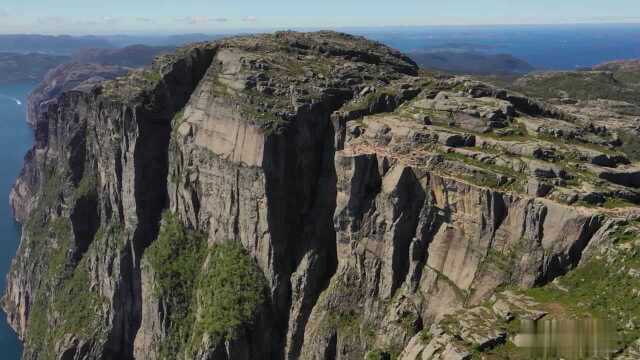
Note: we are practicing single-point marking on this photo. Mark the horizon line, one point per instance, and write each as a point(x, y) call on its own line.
point(269, 29)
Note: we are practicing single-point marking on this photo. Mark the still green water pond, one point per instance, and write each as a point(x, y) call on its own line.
point(568, 339)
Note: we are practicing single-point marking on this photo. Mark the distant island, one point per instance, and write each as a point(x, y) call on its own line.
point(473, 63)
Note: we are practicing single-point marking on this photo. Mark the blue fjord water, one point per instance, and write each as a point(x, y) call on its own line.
point(15, 140)
point(550, 47)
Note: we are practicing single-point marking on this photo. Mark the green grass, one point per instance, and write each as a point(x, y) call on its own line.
point(630, 145)
point(366, 102)
point(152, 76)
point(602, 288)
point(506, 351)
point(615, 203)
point(488, 179)
point(426, 336)
point(581, 86)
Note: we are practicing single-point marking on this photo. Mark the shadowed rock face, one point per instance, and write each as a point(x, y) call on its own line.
point(83, 72)
point(375, 201)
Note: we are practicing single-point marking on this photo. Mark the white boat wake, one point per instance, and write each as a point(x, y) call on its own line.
point(18, 102)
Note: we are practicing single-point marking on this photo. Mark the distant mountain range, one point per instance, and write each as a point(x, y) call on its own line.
point(130, 56)
point(16, 67)
point(87, 68)
point(68, 45)
point(463, 62)
point(27, 67)
point(60, 45)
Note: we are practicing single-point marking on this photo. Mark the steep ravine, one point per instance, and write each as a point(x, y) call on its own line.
point(286, 196)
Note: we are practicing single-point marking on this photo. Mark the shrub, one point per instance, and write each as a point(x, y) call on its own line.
point(229, 292)
point(225, 293)
point(176, 257)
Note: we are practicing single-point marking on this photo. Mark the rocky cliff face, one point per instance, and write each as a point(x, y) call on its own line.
point(81, 73)
point(322, 199)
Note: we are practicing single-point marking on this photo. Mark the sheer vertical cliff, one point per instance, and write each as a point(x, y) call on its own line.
point(295, 196)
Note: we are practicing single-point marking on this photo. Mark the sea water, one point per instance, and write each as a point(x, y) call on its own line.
point(15, 139)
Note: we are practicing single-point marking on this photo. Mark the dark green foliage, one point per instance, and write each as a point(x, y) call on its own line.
point(77, 304)
point(426, 336)
point(225, 292)
point(86, 187)
point(60, 229)
point(37, 325)
point(176, 258)
point(386, 354)
point(229, 291)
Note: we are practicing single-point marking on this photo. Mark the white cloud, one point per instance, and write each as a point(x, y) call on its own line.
point(197, 20)
point(52, 20)
point(108, 20)
point(250, 19)
point(200, 20)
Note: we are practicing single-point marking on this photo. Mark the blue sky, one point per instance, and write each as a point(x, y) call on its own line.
point(187, 16)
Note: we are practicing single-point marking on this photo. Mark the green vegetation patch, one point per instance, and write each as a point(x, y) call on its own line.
point(368, 101)
point(579, 85)
point(176, 258)
point(604, 287)
point(87, 187)
point(230, 291)
point(630, 145)
point(78, 304)
point(212, 292)
point(152, 76)
point(512, 180)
